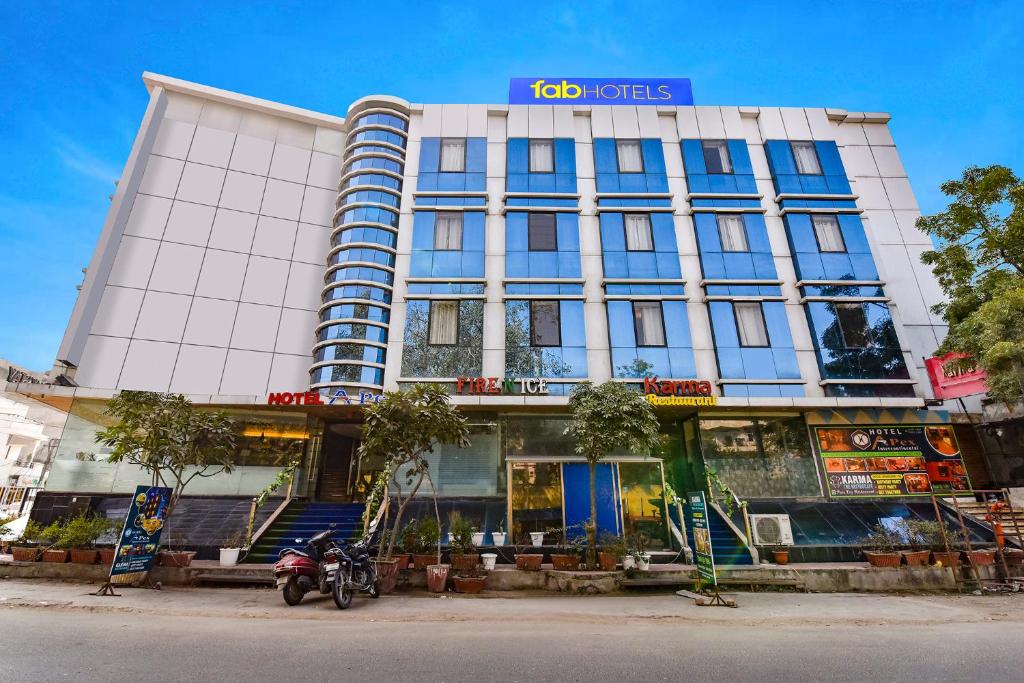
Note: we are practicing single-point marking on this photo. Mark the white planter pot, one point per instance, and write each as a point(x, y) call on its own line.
point(229, 556)
point(644, 563)
point(498, 537)
point(628, 562)
point(478, 539)
point(537, 538)
point(489, 560)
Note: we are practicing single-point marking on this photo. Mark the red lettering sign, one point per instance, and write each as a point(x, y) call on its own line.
point(669, 387)
point(950, 382)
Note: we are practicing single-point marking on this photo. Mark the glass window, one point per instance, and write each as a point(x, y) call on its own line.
point(444, 323)
point(542, 156)
point(853, 324)
point(536, 498)
point(648, 324)
point(826, 230)
point(448, 231)
point(544, 324)
point(638, 232)
point(750, 324)
point(716, 156)
point(732, 232)
point(542, 234)
point(453, 155)
point(631, 157)
point(806, 158)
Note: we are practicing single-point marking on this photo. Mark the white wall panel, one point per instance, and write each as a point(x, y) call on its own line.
point(251, 155)
point(173, 139)
point(210, 322)
point(255, 327)
point(161, 176)
point(118, 311)
point(222, 274)
point(134, 262)
point(200, 184)
point(148, 217)
point(162, 317)
point(189, 223)
point(245, 373)
point(148, 366)
point(198, 370)
point(177, 268)
point(211, 146)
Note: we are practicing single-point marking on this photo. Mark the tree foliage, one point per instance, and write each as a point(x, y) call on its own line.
point(402, 429)
point(980, 267)
point(606, 418)
point(168, 437)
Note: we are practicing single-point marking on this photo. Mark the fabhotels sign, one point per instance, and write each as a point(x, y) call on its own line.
point(674, 91)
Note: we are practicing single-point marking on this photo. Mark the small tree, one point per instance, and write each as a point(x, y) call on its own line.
point(403, 428)
point(980, 266)
point(165, 435)
point(606, 418)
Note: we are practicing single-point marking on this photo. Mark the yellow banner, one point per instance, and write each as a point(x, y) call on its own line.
point(656, 400)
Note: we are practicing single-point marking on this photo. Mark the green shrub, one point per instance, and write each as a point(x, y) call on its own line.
point(428, 533)
point(461, 532)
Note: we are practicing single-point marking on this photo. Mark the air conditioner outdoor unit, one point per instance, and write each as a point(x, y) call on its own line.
point(771, 529)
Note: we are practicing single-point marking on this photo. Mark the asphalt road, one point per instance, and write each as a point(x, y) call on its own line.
point(51, 643)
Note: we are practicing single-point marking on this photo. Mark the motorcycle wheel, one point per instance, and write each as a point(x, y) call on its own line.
point(342, 595)
point(369, 578)
point(292, 592)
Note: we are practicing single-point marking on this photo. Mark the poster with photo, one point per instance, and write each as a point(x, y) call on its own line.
point(891, 460)
point(140, 538)
point(702, 538)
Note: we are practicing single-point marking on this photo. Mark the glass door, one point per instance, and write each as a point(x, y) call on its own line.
point(576, 478)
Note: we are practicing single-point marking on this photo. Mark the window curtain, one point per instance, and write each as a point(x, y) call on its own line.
point(806, 158)
point(444, 322)
point(631, 159)
point(544, 323)
point(649, 330)
point(750, 323)
point(830, 237)
point(638, 232)
point(448, 231)
point(732, 232)
point(542, 156)
point(453, 156)
point(716, 157)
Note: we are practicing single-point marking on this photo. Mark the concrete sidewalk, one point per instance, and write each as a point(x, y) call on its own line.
point(755, 609)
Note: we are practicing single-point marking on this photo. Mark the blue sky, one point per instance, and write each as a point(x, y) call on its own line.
point(71, 97)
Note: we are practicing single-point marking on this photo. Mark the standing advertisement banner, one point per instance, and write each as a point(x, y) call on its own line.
point(140, 538)
point(702, 538)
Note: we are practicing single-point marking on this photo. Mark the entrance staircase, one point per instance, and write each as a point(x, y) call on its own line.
point(976, 510)
point(729, 549)
point(303, 519)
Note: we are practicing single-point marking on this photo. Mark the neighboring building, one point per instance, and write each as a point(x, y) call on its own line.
point(254, 250)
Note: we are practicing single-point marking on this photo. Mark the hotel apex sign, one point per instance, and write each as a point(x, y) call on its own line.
point(644, 91)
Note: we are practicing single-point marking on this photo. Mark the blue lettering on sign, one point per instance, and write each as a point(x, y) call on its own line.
point(674, 91)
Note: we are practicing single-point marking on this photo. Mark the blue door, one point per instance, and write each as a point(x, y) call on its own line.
point(576, 483)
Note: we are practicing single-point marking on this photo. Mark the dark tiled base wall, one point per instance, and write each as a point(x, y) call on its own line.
point(199, 523)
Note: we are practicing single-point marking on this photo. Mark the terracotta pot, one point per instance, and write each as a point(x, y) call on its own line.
point(403, 561)
point(883, 559)
point(437, 577)
point(387, 575)
point(1013, 557)
point(424, 561)
point(22, 554)
point(565, 563)
point(84, 556)
point(948, 559)
point(980, 558)
point(465, 563)
point(469, 584)
point(916, 558)
point(780, 556)
point(175, 558)
point(530, 563)
point(107, 556)
point(607, 561)
point(58, 556)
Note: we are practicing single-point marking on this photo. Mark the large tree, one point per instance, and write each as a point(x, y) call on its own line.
point(605, 418)
point(402, 429)
point(980, 266)
point(169, 438)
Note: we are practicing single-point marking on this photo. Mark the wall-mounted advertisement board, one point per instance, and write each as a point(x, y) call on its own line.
point(873, 461)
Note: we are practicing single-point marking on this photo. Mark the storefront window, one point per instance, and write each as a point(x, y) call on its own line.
point(761, 458)
point(532, 436)
point(469, 471)
point(643, 502)
point(536, 496)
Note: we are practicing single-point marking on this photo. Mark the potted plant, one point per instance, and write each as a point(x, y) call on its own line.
point(406, 543)
point(637, 544)
point(527, 561)
point(918, 533)
point(570, 551)
point(4, 530)
point(428, 534)
point(477, 537)
point(175, 558)
point(79, 536)
point(537, 538)
point(780, 554)
point(979, 557)
point(470, 581)
point(498, 537)
point(53, 552)
point(232, 546)
point(880, 547)
point(462, 544)
point(938, 536)
point(26, 548)
point(613, 549)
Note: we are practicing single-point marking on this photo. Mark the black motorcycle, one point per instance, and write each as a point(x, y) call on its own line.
point(348, 570)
